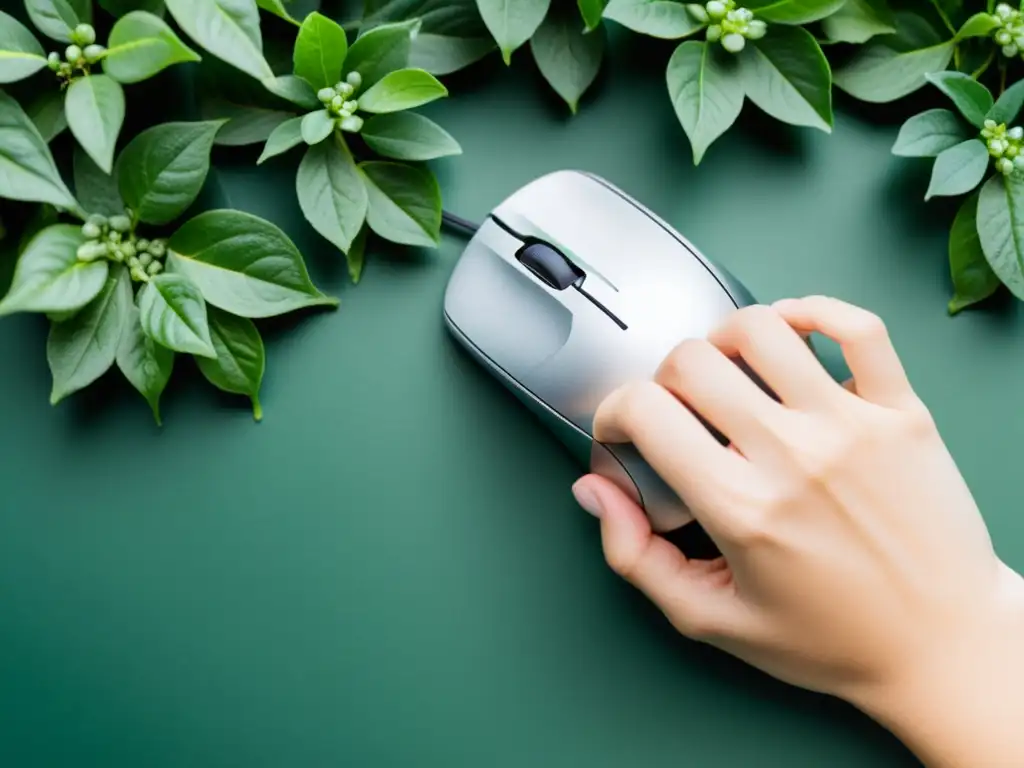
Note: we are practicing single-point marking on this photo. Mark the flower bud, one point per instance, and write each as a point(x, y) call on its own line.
point(337, 102)
point(142, 244)
point(84, 34)
point(756, 29)
point(714, 32)
point(345, 90)
point(990, 124)
point(88, 252)
point(72, 53)
point(744, 14)
point(1009, 51)
point(1011, 151)
point(1003, 37)
point(53, 61)
point(352, 124)
point(1016, 133)
point(350, 106)
point(699, 12)
point(138, 275)
point(145, 258)
point(120, 223)
point(1003, 11)
point(98, 219)
point(91, 230)
point(93, 53)
point(114, 237)
point(157, 248)
point(325, 95)
point(733, 43)
point(116, 254)
point(1018, 162)
point(127, 249)
point(715, 9)
point(134, 263)
point(354, 79)
point(1005, 166)
point(155, 268)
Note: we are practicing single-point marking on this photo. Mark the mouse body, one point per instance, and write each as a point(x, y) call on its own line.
point(571, 288)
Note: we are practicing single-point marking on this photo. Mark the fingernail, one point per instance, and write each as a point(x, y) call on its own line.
point(586, 498)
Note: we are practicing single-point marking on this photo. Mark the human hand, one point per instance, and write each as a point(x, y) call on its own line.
point(854, 559)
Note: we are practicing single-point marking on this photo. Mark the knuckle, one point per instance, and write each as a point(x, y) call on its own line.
point(634, 402)
point(682, 359)
point(755, 528)
point(868, 328)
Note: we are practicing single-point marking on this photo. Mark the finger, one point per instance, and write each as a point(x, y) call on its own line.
point(777, 354)
point(865, 342)
point(722, 394)
point(696, 599)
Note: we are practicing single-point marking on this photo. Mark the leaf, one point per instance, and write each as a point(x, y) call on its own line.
point(173, 313)
point(320, 51)
point(316, 126)
point(787, 76)
point(331, 193)
point(793, 11)
point(27, 170)
point(512, 22)
point(857, 21)
point(929, 133)
point(404, 203)
point(666, 19)
point(245, 125)
point(162, 170)
point(46, 112)
point(449, 34)
point(1001, 229)
point(119, 8)
point(50, 278)
point(96, 189)
point(287, 135)
point(240, 362)
point(277, 8)
point(706, 92)
point(381, 50)
point(958, 169)
point(356, 256)
point(1008, 105)
point(82, 348)
point(444, 54)
point(21, 55)
point(56, 18)
point(243, 265)
point(967, 94)
point(591, 11)
point(973, 279)
point(229, 29)
point(147, 365)
point(880, 74)
point(293, 89)
point(568, 58)
point(978, 25)
point(404, 89)
point(408, 136)
point(141, 45)
point(94, 106)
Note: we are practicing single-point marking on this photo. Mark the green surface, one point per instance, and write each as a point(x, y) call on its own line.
point(390, 570)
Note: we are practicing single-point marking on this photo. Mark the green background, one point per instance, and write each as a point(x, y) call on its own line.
point(390, 570)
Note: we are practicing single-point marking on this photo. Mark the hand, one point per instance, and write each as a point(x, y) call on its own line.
point(854, 559)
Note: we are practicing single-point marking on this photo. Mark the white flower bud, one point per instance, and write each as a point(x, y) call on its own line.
point(145, 259)
point(354, 79)
point(72, 53)
point(53, 61)
point(1005, 166)
point(715, 9)
point(345, 90)
point(352, 124)
point(1003, 11)
point(350, 106)
point(756, 29)
point(91, 230)
point(84, 34)
point(337, 103)
point(325, 95)
point(1009, 51)
point(120, 223)
point(155, 268)
point(699, 12)
point(733, 43)
point(714, 32)
point(1016, 133)
point(93, 53)
point(1003, 37)
point(1011, 151)
point(744, 14)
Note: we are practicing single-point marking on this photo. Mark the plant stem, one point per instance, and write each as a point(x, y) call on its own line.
point(987, 63)
point(956, 57)
point(991, 6)
point(942, 15)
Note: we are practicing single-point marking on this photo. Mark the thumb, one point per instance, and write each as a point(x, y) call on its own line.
point(697, 596)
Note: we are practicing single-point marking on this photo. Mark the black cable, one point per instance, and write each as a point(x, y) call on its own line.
point(459, 224)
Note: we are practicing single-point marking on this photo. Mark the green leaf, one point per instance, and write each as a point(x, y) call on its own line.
point(567, 57)
point(1008, 105)
point(147, 365)
point(27, 169)
point(978, 25)
point(277, 8)
point(331, 192)
point(293, 89)
point(973, 279)
point(591, 11)
point(316, 126)
point(97, 190)
point(50, 278)
point(287, 135)
point(381, 50)
point(880, 74)
point(21, 55)
point(240, 362)
point(82, 348)
point(857, 21)
point(793, 11)
point(512, 22)
point(162, 170)
point(56, 18)
point(404, 89)
point(46, 111)
point(404, 203)
point(94, 107)
point(119, 8)
point(243, 265)
point(172, 313)
point(666, 19)
point(444, 54)
point(967, 94)
point(356, 256)
point(43, 216)
point(959, 169)
point(706, 91)
point(929, 133)
point(229, 29)
point(320, 51)
point(408, 136)
point(141, 45)
point(787, 76)
point(245, 125)
point(1001, 229)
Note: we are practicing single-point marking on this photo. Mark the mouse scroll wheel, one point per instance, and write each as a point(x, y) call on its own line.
point(549, 265)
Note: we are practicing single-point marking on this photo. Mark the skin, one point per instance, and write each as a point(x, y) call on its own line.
point(855, 561)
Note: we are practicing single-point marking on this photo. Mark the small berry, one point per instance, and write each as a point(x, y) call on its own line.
point(733, 42)
point(93, 53)
point(354, 79)
point(714, 33)
point(84, 34)
point(53, 61)
point(352, 124)
point(325, 95)
point(699, 12)
point(72, 53)
point(91, 230)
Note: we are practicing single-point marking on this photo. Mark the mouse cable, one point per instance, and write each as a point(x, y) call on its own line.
point(459, 224)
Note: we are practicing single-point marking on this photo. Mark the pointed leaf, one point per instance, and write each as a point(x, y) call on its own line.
point(147, 365)
point(293, 89)
point(408, 136)
point(404, 89)
point(320, 51)
point(968, 95)
point(381, 50)
point(512, 22)
point(317, 126)
point(96, 189)
point(172, 313)
point(1001, 229)
point(277, 8)
point(978, 25)
point(666, 19)
point(287, 135)
point(591, 11)
point(46, 112)
point(240, 362)
point(56, 18)
point(95, 107)
point(229, 29)
point(568, 58)
point(21, 54)
point(356, 256)
point(857, 21)
point(27, 169)
point(958, 169)
point(404, 203)
point(880, 74)
point(141, 45)
point(444, 54)
point(1007, 106)
point(973, 279)
point(793, 11)
point(929, 133)
point(331, 192)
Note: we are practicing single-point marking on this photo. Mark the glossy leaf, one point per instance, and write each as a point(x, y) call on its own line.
point(400, 90)
point(21, 55)
point(229, 29)
point(145, 364)
point(244, 125)
point(241, 360)
point(444, 54)
point(331, 192)
point(95, 107)
point(408, 136)
point(706, 92)
point(293, 89)
point(793, 11)
point(1008, 105)
point(404, 203)
point(83, 347)
point(46, 112)
point(970, 97)
point(381, 50)
point(276, 7)
point(356, 256)
point(787, 76)
point(119, 8)
point(1001, 229)
point(857, 21)
point(591, 11)
point(973, 278)
point(96, 189)
point(173, 313)
point(666, 19)
point(880, 74)
point(50, 278)
point(929, 133)
point(567, 57)
point(978, 25)
point(320, 51)
point(56, 18)
point(27, 169)
point(512, 22)
point(162, 170)
point(141, 45)
point(959, 169)
point(316, 126)
point(244, 265)
point(287, 135)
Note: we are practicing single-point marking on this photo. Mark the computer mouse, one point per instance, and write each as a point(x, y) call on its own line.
point(571, 288)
